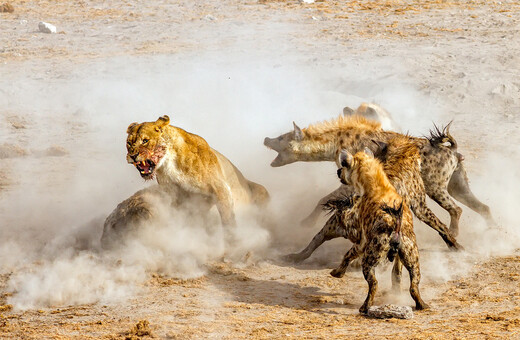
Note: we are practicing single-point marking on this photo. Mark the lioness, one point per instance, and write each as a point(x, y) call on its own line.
point(184, 162)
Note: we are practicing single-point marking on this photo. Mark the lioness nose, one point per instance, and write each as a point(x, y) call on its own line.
point(134, 157)
point(267, 140)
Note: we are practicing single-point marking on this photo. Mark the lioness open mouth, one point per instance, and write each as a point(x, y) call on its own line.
point(146, 168)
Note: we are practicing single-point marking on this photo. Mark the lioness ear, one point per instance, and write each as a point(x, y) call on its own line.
point(369, 152)
point(298, 133)
point(345, 159)
point(130, 127)
point(161, 122)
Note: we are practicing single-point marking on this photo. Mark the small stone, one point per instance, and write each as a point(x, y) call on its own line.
point(390, 311)
point(46, 27)
point(210, 17)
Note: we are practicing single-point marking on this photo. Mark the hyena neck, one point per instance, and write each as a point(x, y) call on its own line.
point(355, 140)
point(372, 180)
point(313, 150)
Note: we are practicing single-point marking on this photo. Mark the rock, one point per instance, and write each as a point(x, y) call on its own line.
point(390, 311)
point(210, 17)
point(46, 27)
point(142, 328)
point(6, 8)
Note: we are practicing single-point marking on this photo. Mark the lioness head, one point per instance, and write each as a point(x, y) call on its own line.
point(145, 146)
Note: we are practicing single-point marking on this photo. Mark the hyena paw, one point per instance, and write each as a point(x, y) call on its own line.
point(338, 272)
point(292, 258)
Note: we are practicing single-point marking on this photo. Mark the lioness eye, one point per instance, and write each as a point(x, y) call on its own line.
point(145, 141)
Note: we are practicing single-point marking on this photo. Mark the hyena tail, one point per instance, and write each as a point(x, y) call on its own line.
point(442, 136)
point(339, 203)
point(395, 237)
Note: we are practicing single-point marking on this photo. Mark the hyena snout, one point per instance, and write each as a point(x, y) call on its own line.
point(270, 142)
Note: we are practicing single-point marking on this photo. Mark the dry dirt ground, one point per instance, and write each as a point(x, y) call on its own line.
point(461, 59)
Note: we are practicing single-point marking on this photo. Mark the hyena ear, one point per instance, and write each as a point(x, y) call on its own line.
point(347, 111)
point(381, 149)
point(370, 113)
point(298, 133)
point(369, 152)
point(161, 122)
point(345, 159)
point(130, 127)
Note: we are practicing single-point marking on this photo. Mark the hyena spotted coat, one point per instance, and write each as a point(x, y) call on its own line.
point(401, 162)
point(442, 170)
point(379, 224)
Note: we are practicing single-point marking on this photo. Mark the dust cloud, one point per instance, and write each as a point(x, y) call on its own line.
point(54, 210)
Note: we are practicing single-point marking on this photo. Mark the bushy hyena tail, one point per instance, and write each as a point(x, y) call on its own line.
point(442, 136)
point(395, 237)
point(339, 203)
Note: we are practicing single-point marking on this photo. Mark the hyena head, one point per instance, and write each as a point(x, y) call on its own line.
point(349, 167)
point(284, 145)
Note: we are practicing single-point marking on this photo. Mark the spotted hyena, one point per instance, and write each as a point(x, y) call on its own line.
point(442, 169)
point(374, 112)
point(401, 162)
point(379, 224)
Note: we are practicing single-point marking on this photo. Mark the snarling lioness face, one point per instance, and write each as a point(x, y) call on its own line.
point(145, 146)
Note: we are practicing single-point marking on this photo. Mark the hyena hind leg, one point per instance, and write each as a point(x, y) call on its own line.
point(330, 230)
point(442, 198)
point(458, 187)
point(423, 213)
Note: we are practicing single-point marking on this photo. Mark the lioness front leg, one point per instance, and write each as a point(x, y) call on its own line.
point(225, 204)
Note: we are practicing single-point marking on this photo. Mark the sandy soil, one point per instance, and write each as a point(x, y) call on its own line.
point(66, 99)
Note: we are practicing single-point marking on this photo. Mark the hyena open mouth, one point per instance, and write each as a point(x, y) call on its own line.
point(146, 168)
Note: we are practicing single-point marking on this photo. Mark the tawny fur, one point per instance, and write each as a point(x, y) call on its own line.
point(374, 112)
point(131, 214)
point(183, 161)
point(442, 170)
point(375, 231)
point(401, 163)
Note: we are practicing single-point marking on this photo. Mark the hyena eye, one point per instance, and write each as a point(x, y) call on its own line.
point(145, 141)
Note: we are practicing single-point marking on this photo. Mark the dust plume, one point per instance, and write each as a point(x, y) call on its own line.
point(55, 209)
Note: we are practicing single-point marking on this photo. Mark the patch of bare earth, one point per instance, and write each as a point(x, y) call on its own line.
point(271, 300)
point(268, 300)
